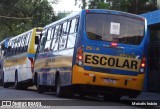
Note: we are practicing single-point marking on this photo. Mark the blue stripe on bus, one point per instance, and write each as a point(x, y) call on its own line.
point(31, 55)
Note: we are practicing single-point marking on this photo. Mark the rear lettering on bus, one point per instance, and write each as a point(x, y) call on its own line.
point(114, 62)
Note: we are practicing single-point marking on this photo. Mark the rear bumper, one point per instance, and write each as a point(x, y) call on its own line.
point(126, 83)
point(91, 89)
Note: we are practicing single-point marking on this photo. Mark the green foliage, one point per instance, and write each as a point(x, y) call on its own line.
point(17, 16)
point(134, 6)
point(43, 14)
point(98, 4)
point(131, 6)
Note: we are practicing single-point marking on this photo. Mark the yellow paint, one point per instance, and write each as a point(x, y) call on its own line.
point(78, 77)
point(92, 48)
point(15, 61)
point(120, 63)
point(56, 62)
point(32, 41)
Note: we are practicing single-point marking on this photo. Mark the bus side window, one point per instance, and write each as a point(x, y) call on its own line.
point(23, 43)
point(13, 47)
point(28, 38)
point(43, 41)
point(55, 44)
point(62, 42)
point(48, 41)
point(17, 49)
point(55, 41)
point(63, 38)
point(72, 33)
point(64, 29)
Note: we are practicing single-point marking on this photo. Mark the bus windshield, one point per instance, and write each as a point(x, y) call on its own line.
point(114, 28)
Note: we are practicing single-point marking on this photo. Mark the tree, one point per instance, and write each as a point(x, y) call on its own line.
point(99, 4)
point(131, 6)
point(17, 16)
point(83, 5)
point(43, 14)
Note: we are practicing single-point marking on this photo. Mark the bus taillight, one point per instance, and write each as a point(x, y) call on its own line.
point(114, 44)
point(79, 57)
point(32, 64)
point(87, 11)
point(143, 65)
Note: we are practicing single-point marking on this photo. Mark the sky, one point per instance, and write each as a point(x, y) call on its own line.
point(66, 5)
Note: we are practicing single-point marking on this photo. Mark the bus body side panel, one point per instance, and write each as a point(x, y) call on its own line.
point(49, 63)
point(19, 64)
point(4, 43)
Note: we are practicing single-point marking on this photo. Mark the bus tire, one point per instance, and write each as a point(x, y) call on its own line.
point(1, 81)
point(16, 83)
point(5, 85)
point(59, 90)
point(39, 88)
point(35, 79)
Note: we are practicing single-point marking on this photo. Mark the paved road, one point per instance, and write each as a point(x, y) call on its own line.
point(60, 103)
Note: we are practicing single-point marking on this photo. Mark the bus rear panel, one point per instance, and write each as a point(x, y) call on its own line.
point(110, 54)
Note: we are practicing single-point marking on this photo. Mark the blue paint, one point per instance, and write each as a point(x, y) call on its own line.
point(152, 17)
point(31, 55)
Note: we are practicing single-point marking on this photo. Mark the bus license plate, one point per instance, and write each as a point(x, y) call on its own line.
point(109, 80)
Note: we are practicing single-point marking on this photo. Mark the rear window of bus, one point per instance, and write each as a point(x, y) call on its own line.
point(114, 28)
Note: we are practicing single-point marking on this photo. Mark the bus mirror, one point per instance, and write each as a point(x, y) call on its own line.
point(36, 40)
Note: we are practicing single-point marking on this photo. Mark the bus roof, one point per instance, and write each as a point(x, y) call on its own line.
point(115, 12)
point(97, 11)
point(24, 33)
point(65, 18)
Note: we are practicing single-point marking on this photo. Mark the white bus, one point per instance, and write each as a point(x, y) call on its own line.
point(19, 59)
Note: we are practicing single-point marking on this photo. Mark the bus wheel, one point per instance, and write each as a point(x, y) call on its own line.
point(35, 79)
point(3, 83)
point(59, 91)
point(16, 83)
point(108, 97)
point(39, 88)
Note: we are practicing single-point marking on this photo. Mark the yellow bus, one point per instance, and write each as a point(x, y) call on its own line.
point(93, 52)
point(19, 59)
